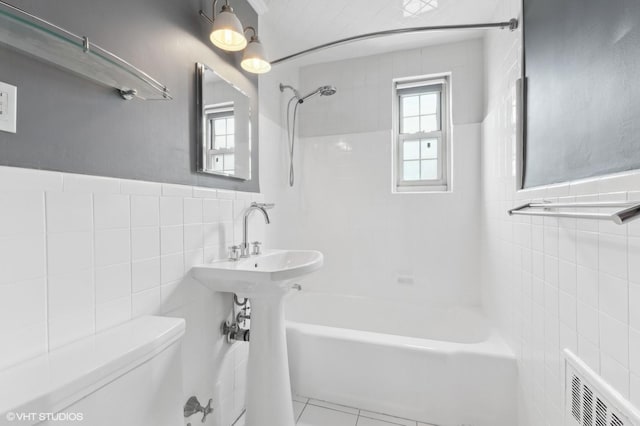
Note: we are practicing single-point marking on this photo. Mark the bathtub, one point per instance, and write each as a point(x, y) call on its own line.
point(434, 365)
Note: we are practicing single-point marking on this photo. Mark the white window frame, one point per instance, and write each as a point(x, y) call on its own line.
point(211, 113)
point(443, 183)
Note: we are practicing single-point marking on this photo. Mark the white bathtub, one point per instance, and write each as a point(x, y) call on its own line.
point(441, 366)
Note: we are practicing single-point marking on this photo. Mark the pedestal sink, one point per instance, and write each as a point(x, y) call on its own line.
point(264, 279)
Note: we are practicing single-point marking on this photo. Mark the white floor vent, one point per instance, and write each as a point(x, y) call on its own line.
point(590, 401)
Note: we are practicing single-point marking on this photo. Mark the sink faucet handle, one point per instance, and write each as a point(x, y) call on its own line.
point(256, 248)
point(265, 206)
point(234, 253)
point(207, 410)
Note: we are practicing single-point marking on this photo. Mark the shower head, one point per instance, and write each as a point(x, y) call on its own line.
point(328, 90)
point(322, 90)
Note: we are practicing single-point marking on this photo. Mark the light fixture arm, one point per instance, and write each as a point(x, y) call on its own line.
point(511, 25)
point(213, 15)
point(255, 33)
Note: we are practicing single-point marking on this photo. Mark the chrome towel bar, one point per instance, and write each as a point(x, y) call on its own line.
point(626, 211)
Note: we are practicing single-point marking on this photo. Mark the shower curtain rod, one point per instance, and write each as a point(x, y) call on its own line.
point(511, 24)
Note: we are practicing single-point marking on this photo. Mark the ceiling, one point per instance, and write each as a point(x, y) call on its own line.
point(289, 26)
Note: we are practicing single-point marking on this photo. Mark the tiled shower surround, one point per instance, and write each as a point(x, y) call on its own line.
point(553, 284)
point(81, 254)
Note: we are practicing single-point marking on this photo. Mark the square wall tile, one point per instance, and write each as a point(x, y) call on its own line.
point(634, 305)
point(171, 239)
point(27, 342)
point(111, 211)
point(69, 251)
point(171, 268)
point(567, 244)
point(614, 339)
point(634, 351)
point(192, 210)
point(69, 212)
point(171, 211)
point(587, 286)
point(22, 304)
point(23, 258)
point(589, 353)
point(193, 237)
point(568, 277)
point(192, 258)
point(146, 303)
point(226, 210)
point(21, 213)
point(587, 249)
point(113, 247)
point(145, 275)
point(145, 211)
point(71, 327)
point(70, 293)
point(145, 243)
point(113, 282)
point(210, 211)
point(615, 374)
point(588, 323)
point(112, 313)
point(613, 255)
point(614, 297)
point(634, 260)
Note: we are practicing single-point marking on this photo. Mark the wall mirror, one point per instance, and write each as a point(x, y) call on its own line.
point(224, 111)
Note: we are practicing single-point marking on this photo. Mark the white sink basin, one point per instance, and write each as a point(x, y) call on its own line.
point(265, 279)
point(274, 270)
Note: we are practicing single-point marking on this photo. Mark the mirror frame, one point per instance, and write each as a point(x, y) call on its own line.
point(201, 125)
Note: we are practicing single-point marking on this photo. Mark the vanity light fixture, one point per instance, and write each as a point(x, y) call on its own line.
point(227, 34)
point(254, 59)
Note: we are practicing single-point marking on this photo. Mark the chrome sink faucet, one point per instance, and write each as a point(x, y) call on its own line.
point(262, 208)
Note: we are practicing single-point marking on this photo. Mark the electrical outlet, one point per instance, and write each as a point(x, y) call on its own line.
point(8, 107)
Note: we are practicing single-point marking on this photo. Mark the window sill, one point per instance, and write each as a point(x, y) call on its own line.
point(422, 190)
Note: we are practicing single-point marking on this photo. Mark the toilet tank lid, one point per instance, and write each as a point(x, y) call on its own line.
point(53, 381)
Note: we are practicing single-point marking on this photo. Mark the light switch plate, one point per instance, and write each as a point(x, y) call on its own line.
point(8, 107)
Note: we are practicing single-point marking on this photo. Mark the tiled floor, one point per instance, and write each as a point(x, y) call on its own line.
point(312, 412)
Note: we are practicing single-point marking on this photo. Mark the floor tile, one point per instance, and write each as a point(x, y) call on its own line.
point(298, 407)
point(385, 418)
point(300, 399)
point(332, 406)
point(319, 416)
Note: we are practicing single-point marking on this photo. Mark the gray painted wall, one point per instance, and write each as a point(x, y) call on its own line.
point(67, 123)
point(583, 95)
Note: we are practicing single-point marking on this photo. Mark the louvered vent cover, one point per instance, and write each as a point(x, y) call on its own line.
point(590, 401)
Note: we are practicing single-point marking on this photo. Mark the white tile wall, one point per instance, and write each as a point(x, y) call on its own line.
point(79, 254)
point(554, 284)
point(343, 179)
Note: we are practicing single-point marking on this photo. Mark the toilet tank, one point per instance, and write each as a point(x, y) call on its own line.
point(129, 375)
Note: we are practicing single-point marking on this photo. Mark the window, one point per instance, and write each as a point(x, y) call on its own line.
point(421, 147)
point(221, 138)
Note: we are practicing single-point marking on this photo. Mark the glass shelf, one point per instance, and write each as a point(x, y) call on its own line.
point(48, 42)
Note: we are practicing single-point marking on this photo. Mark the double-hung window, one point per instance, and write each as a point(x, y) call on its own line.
point(421, 147)
point(221, 138)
